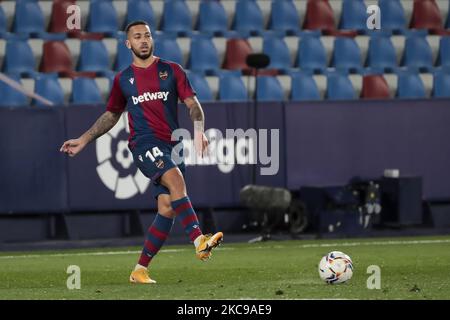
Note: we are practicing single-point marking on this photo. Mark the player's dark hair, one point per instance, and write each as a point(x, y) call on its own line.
point(135, 23)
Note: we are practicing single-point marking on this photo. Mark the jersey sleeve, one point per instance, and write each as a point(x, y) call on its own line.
point(117, 101)
point(184, 87)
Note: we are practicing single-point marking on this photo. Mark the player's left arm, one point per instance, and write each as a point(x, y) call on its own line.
point(198, 118)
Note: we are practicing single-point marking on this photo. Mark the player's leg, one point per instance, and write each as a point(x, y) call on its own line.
point(173, 180)
point(155, 237)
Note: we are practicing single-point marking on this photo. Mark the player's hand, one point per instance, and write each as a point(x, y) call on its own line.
point(72, 146)
point(201, 143)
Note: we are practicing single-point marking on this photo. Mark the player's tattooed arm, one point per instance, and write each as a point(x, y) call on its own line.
point(198, 118)
point(103, 124)
point(195, 109)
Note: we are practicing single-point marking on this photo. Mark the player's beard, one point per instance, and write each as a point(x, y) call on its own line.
point(143, 56)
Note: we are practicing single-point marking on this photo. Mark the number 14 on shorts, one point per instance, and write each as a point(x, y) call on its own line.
point(152, 155)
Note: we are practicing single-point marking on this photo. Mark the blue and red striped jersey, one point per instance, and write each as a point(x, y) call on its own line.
point(150, 96)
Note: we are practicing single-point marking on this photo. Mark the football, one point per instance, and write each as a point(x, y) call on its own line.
point(336, 267)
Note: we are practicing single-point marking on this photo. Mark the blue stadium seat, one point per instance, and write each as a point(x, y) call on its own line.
point(354, 15)
point(381, 55)
point(200, 85)
point(102, 18)
point(444, 52)
point(19, 58)
point(231, 87)
point(311, 54)
point(124, 56)
point(392, 15)
point(269, 89)
point(248, 19)
point(339, 87)
point(28, 18)
point(140, 10)
point(212, 18)
point(347, 55)
point(418, 54)
point(85, 91)
point(410, 86)
point(93, 56)
point(278, 51)
point(303, 87)
point(168, 48)
point(284, 17)
point(441, 85)
point(177, 18)
point(48, 86)
point(203, 56)
point(3, 23)
point(11, 97)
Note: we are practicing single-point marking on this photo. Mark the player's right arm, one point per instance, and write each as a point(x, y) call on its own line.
point(103, 124)
point(115, 107)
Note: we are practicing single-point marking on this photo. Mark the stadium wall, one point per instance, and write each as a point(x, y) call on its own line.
point(320, 143)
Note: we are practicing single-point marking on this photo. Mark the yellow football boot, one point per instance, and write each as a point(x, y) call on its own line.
point(207, 243)
point(141, 276)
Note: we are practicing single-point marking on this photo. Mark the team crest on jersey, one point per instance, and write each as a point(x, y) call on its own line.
point(159, 164)
point(131, 80)
point(163, 75)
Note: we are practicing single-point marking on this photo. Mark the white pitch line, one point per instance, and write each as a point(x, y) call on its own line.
point(312, 245)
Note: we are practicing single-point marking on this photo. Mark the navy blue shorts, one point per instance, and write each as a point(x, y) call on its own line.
point(153, 158)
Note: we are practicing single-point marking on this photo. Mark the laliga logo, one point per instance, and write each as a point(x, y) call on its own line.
point(114, 161)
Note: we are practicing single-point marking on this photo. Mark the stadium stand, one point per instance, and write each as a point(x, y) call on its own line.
point(304, 38)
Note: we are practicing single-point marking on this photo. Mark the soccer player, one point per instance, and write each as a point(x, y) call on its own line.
point(149, 89)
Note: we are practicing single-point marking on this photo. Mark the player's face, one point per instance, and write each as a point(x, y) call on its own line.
point(140, 41)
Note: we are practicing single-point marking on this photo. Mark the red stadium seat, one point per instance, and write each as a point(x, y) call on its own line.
point(236, 53)
point(426, 15)
point(375, 87)
point(56, 57)
point(319, 16)
point(59, 16)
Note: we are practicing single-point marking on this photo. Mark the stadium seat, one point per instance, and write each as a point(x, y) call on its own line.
point(393, 15)
point(124, 56)
point(303, 87)
point(200, 85)
point(11, 97)
point(248, 19)
point(203, 56)
point(441, 85)
point(93, 56)
point(311, 54)
point(58, 19)
point(3, 23)
point(19, 58)
point(319, 16)
point(177, 18)
point(375, 87)
point(426, 15)
point(212, 18)
point(410, 86)
point(444, 52)
point(347, 55)
point(167, 48)
point(269, 89)
point(339, 87)
point(418, 54)
point(381, 55)
point(278, 51)
point(236, 53)
point(231, 87)
point(48, 87)
point(140, 10)
point(354, 16)
point(284, 17)
point(56, 57)
point(28, 18)
point(102, 18)
point(85, 91)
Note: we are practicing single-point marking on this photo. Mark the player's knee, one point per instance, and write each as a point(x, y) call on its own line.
point(174, 181)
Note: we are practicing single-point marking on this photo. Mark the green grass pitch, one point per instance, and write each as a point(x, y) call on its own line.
point(411, 268)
